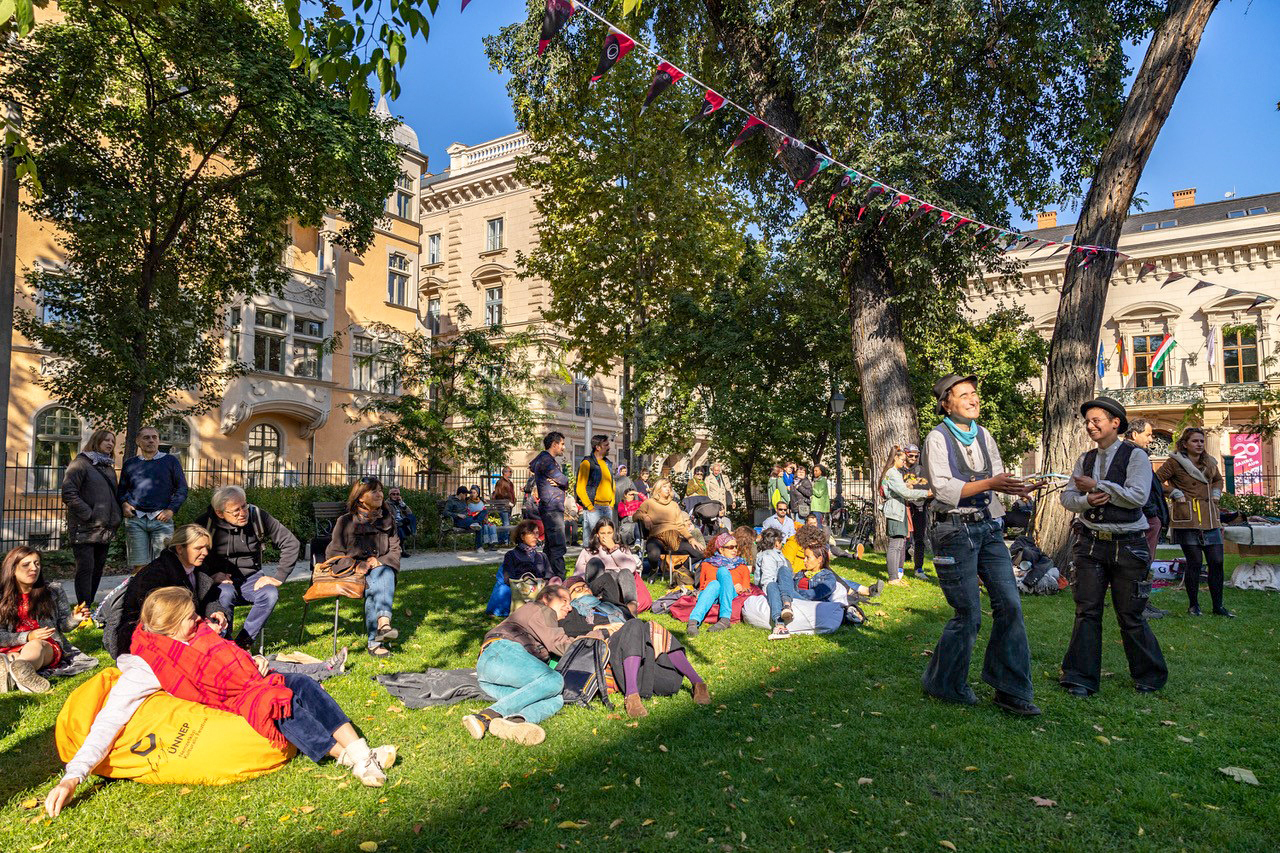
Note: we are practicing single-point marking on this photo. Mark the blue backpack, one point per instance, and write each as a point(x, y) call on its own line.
point(500, 599)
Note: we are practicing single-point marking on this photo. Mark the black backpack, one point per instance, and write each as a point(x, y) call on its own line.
point(109, 614)
point(582, 666)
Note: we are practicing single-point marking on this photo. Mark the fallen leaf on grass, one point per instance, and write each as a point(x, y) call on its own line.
point(183, 792)
point(672, 834)
point(306, 809)
point(970, 769)
point(615, 823)
point(396, 709)
point(1103, 739)
point(369, 846)
point(42, 845)
point(1167, 723)
point(571, 824)
point(1043, 803)
point(504, 784)
point(417, 829)
point(1213, 807)
point(29, 804)
point(1240, 774)
point(285, 817)
point(648, 822)
point(865, 780)
point(662, 747)
point(239, 819)
point(1097, 728)
point(947, 844)
point(519, 823)
point(1185, 739)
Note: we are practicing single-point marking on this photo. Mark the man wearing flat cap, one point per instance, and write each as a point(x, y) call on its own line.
point(914, 477)
point(1108, 489)
point(964, 470)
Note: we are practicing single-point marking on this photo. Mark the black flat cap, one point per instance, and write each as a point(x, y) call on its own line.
point(946, 383)
point(1111, 407)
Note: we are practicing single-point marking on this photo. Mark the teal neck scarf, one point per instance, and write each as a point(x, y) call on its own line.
point(964, 436)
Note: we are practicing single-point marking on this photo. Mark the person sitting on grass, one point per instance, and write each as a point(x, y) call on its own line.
point(813, 536)
point(645, 659)
point(724, 575)
point(746, 537)
point(769, 566)
point(33, 617)
point(610, 570)
point(478, 512)
point(525, 558)
point(176, 651)
point(512, 668)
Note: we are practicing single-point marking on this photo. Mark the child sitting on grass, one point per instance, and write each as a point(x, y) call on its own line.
point(769, 562)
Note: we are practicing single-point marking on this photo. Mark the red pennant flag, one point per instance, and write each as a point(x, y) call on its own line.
point(921, 211)
point(962, 223)
point(1093, 254)
point(616, 46)
point(900, 198)
point(557, 14)
point(464, 5)
point(1173, 276)
point(818, 165)
point(751, 128)
point(710, 103)
point(1147, 267)
point(664, 76)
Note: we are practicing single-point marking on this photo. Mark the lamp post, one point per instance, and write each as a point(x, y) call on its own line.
point(837, 407)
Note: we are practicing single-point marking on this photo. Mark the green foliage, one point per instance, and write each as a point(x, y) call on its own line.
point(1264, 505)
point(464, 397)
point(170, 191)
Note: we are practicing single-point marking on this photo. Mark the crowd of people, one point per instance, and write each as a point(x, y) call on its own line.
point(171, 626)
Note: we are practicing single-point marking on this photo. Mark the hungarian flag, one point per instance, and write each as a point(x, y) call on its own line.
point(1161, 354)
point(663, 77)
point(616, 46)
point(710, 103)
point(751, 128)
point(557, 14)
point(1124, 360)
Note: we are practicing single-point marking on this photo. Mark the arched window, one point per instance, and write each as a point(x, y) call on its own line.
point(364, 460)
point(262, 462)
point(57, 441)
point(175, 438)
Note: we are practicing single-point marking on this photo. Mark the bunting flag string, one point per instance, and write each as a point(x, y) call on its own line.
point(618, 44)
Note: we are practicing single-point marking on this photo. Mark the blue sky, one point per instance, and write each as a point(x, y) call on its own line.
point(1223, 133)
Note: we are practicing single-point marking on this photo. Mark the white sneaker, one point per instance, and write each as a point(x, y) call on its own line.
point(363, 763)
point(479, 550)
point(780, 632)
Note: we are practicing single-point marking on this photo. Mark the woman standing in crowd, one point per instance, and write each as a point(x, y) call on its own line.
point(697, 484)
point(503, 500)
point(724, 576)
point(801, 494)
point(897, 494)
point(1194, 485)
point(778, 492)
point(33, 617)
point(610, 571)
point(93, 512)
point(667, 526)
point(174, 650)
point(366, 534)
point(820, 503)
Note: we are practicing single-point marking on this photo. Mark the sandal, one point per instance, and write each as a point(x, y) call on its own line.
point(379, 651)
point(386, 633)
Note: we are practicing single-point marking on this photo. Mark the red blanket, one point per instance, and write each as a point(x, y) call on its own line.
point(683, 606)
point(216, 672)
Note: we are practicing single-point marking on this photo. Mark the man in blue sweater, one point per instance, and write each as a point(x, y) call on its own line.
point(152, 488)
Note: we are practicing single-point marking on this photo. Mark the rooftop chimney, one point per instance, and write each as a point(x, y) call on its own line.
point(1184, 198)
point(1048, 219)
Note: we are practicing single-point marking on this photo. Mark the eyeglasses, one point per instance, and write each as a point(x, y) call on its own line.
point(730, 547)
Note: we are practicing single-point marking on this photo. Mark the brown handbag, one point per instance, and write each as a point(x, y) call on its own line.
point(338, 577)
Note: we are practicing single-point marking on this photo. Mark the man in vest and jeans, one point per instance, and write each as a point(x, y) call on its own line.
point(964, 470)
point(594, 487)
point(1109, 486)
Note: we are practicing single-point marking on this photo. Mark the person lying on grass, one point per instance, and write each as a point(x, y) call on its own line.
point(723, 577)
point(512, 668)
point(33, 617)
point(644, 659)
point(813, 536)
point(176, 651)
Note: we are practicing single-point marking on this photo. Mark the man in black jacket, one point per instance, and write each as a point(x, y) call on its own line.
point(234, 563)
point(1156, 509)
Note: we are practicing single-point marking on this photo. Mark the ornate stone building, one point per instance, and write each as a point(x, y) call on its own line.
point(1225, 344)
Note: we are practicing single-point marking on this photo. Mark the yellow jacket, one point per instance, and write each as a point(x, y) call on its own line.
point(604, 489)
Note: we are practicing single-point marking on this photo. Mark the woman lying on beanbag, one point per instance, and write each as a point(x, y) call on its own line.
point(176, 651)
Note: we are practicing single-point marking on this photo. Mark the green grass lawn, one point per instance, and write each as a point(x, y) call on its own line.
point(814, 743)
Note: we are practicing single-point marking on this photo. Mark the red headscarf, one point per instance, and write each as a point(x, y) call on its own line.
point(217, 673)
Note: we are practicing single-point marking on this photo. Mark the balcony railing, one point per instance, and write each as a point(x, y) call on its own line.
point(1185, 395)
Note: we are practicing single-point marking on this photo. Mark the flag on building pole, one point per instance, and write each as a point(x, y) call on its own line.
point(1213, 334)
point(1124, 360)
point(1161, 354)
point(1102, 365)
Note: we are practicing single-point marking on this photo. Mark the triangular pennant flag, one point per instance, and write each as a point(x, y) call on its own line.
point(616, 46)
point(557, 14)
point(900, 198)
point(962, 223)
point(845, 180)
point(711, 102)
point(464, 5)
point(921, 211)
point(1060, 249)
point(663, 77)
point(1230, 293)
point(1173, 276)
point(874, 190)
point(751, 128)
point(1262, 299)
point(782, 146)
point(1047, 244)
point(1200, 284)
point(818, 165)
point(1147, 267)
point(1088, 261)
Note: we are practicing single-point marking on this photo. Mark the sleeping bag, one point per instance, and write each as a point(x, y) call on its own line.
point(168, 740)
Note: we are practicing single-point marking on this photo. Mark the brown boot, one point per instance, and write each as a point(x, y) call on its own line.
point(701, 695)
point(635, 708)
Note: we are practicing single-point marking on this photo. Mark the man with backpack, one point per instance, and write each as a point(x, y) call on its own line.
point(239, 531)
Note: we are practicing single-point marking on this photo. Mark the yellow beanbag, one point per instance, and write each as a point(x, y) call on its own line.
point(168, 740)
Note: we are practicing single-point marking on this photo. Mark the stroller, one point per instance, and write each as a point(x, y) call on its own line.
point(705, 514)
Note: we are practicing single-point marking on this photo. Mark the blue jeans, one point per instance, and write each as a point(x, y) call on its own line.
point(379, 591)
point(962, 554)
point(315, 717)
point(504, 530)
point(721, 590)
point(777, 600)
point(556, 543)
point(522, 685)
point(592, 517)
point(144, 539)
point(821, 586)
point(487, 534)
point(261, 601)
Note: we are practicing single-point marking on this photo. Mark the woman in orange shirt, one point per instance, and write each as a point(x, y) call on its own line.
point(724, 575)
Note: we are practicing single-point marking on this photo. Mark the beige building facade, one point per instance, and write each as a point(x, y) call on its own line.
point(1225, 338)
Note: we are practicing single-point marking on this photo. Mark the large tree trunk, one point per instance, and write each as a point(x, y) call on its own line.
point(1084, 290)
point(881, 358)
